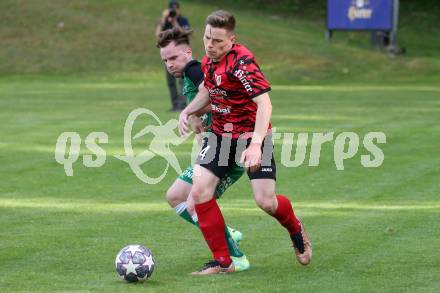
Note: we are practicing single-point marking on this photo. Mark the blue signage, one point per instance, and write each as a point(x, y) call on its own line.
point(360, 15)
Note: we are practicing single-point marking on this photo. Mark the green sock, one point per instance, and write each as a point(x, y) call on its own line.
point(234, 250)
point(183, 212)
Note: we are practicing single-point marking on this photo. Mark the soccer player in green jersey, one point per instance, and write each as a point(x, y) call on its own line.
point(176, 53)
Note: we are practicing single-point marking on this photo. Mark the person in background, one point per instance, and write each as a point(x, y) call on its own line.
point(171, 18)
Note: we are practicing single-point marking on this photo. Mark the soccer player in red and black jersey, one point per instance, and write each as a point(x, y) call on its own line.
point(241, 134)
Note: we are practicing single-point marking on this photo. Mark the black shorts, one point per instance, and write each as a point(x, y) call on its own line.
point(219, 154)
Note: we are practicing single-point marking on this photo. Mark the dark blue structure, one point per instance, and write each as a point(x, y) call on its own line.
point(369, 15)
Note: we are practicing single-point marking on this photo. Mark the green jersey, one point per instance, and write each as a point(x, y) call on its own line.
point(192, 78)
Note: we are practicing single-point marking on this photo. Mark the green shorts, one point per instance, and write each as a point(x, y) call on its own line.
point(225, 182)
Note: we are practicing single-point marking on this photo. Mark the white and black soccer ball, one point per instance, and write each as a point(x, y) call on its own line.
point(134, 263)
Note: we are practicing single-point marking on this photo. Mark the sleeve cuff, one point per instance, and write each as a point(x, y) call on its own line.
point(261, 92)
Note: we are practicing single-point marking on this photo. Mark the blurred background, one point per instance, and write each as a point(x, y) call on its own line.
point(114, 38)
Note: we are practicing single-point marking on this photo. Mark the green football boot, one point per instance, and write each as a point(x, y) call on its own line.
point(236, 235)
point(241, 263)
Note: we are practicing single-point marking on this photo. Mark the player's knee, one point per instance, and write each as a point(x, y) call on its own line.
point(199, 194)
point(267, 204)
point(173, 197)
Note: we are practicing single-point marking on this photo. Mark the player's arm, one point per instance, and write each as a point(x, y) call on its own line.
point(251, 157)
point(195, 121)
point(197, 126)
point(201, 100)
point(193, 72)
point(203, 111)
point(264, 112)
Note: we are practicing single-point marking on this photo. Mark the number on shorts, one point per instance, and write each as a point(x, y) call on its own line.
point(204, 151)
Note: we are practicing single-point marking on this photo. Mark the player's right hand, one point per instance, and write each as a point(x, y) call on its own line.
point(251, 157)
point(196, 124)
point(183, 123)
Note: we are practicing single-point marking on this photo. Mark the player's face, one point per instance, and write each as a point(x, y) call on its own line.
point(218, 42)
point(175, 58)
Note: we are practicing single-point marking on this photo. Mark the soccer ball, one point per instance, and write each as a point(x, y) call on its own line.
point(134, 263)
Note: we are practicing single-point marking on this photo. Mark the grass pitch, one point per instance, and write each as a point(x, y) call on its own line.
point(83, 66)
point(372, 229)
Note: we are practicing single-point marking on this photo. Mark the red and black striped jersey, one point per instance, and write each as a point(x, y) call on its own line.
point(232, 83)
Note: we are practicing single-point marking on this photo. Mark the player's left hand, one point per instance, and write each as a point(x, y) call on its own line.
point(251, 157)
